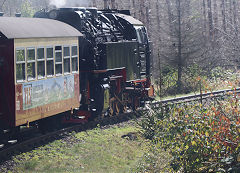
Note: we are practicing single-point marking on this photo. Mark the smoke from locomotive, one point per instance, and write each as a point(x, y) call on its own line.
point(69, 3)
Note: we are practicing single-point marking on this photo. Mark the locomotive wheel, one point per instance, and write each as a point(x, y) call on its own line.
point(135, 103)
point(120, 108)
point(112, 106)
point(116, 107)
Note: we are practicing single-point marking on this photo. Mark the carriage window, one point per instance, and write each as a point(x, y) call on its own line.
point(40, 63)
point(66, 58)
point(58, 60)
point(31, 64)
point(50, 67)
point(20, 65)
point(74, 59)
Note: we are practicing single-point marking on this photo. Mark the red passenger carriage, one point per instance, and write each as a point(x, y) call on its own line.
point(39, 70)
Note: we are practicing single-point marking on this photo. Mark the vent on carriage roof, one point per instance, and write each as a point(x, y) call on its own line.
point(20, 27)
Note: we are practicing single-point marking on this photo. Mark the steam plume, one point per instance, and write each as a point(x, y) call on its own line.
point(58, 3)
point(70, 3)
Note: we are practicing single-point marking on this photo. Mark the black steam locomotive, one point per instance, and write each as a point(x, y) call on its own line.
point(114, 58)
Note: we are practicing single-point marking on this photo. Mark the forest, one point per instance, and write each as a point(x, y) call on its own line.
point(189, 37)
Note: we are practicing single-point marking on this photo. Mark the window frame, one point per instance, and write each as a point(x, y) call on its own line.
point(67, 57)
point(58, 63)
point(41, 60)
point(75, 56)
point(31, 61)
point(50, 59)
point(20, 62)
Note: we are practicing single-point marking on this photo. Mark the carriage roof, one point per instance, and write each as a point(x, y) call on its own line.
point(20, 27)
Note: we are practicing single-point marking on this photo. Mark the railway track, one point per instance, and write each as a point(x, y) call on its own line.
point(38, 140)
point(196, 97)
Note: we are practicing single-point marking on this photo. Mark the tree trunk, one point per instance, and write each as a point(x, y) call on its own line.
point(235, 17)
point(148, 24)
point(142, 16)
point(179, 53)
point(158, 20)
point(170, 16)
point(230, 13)
point(223, 16)
point(215, 9)
point(94, 3)
point(113, 5)
point(158, 53)
point(105, 4)
point(204, 17)
point(210, 20)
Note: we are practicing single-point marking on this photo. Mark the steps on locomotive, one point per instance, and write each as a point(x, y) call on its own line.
point(1, 146)
point(6, 138)
point(14, 141)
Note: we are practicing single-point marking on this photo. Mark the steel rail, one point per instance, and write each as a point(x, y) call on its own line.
point(196, 96)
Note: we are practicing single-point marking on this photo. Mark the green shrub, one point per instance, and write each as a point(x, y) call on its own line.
point(198, 137)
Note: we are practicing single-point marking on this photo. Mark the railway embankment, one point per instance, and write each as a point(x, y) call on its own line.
point(110, 148)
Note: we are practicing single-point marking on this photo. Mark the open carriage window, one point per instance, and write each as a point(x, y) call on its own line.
point(31, 74)
point(20, 65)
point(74, 59)
point(40, 63)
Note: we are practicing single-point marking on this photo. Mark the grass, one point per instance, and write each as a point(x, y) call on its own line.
point(98, 150)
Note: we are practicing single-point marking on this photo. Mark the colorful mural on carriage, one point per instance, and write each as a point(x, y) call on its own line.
point(48, 91)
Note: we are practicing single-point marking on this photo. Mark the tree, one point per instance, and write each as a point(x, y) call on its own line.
point(26, 9)
point(181, 35)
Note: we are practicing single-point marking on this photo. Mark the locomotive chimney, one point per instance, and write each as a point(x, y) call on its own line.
point(105, 4)
point(18, 14)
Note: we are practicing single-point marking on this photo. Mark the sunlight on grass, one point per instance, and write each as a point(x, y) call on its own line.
point(98, 150)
